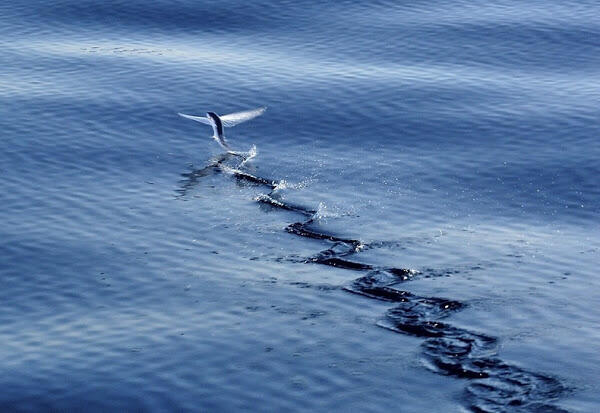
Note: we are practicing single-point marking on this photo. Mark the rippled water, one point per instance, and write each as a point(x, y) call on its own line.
point(426, 167)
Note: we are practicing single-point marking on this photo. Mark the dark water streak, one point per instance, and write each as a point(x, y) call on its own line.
point(494, 385)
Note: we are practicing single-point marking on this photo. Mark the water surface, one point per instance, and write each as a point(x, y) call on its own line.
point(457, 140)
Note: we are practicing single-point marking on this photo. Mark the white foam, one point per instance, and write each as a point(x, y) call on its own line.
point(248, 156)
point(283, 184)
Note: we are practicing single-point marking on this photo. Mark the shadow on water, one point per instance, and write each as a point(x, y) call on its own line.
point(493, 385)
point(192, 178)
point(219, 164)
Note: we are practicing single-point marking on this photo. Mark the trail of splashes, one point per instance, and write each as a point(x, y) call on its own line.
point(283, 184)
point(494, 386)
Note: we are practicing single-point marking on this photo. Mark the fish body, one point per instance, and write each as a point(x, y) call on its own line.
point(219, 123)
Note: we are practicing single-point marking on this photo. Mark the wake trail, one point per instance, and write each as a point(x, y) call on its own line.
point(492, 384)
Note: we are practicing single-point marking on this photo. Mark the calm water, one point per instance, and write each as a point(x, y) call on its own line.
point(426, 167)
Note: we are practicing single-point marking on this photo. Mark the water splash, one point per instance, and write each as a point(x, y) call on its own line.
point(248, 156)
point(284, 184)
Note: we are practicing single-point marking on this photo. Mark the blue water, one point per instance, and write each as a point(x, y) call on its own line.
point(426, 167)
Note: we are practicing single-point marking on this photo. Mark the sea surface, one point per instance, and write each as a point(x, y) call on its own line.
point(413, 225)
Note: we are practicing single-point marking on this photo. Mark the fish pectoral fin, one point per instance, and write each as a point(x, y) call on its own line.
point(233, 119)
point(201, 119)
